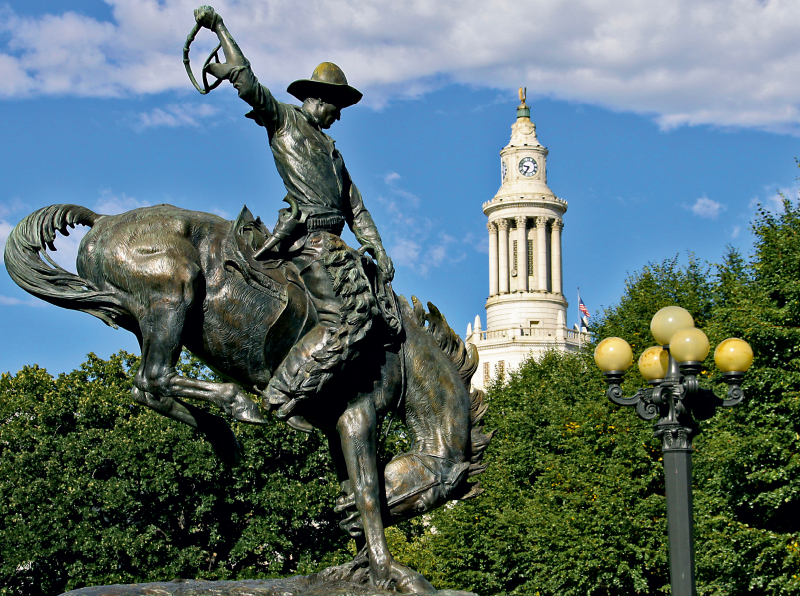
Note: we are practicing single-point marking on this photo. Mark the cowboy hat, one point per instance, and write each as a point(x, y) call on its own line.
point(329, 84)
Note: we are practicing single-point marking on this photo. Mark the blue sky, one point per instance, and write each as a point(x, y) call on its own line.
point(666, 126)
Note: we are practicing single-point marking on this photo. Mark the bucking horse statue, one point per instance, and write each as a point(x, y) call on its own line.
point(177, 278)
point(293, 316)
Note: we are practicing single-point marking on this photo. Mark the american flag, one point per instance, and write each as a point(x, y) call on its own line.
point(583, 309)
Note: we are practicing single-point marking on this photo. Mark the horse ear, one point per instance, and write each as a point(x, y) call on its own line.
point(245, 217)
point(456, 476)
point(419, 311)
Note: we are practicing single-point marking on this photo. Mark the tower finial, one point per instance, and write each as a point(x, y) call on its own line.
point(523, 111)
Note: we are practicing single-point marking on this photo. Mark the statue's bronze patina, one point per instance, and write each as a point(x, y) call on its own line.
point(293, 315)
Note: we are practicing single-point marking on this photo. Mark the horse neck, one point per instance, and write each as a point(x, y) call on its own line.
point(437, 404)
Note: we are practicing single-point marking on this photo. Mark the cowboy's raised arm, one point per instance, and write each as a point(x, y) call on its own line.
point(365, 230)
point(236, 69)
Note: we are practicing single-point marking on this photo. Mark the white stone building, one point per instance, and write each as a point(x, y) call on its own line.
point(526, 311)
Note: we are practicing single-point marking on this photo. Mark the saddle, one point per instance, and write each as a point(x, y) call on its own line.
point(246, 236)
point(273, 276)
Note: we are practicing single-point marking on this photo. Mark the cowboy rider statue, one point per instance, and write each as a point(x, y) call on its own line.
point(315, 177)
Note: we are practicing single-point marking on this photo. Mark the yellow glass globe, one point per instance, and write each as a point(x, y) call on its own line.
point(689, 345)
point(654, 363)
point(669, 320)
point(613, 353)
point(733, 354)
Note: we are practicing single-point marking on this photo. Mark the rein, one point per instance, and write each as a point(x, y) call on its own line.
point(438, 482)
point(411, 493)
point(402, 353)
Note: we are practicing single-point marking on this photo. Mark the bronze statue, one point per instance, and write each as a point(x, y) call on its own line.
point(294, 316)
point(316, 180)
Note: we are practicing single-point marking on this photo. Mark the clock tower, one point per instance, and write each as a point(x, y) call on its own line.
point(526, 309)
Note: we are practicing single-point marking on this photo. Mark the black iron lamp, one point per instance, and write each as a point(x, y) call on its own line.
point(675, 396)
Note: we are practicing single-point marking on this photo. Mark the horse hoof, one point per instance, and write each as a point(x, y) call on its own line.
point(301, 424)
point(247, 411)
point(415, 585)
point(408, 581)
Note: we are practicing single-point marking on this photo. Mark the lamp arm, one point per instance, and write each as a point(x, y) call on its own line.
point(614, 391)
point(644, 400)
point(647, 408)
point(703, 403)
point(735, 392)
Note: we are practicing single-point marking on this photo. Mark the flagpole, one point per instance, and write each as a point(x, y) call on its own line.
point(580, 320)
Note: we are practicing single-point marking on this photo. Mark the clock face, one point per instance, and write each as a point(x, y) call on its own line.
point(503, 169)
point(528, 166)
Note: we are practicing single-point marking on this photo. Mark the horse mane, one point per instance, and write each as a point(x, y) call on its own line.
point(465, 358)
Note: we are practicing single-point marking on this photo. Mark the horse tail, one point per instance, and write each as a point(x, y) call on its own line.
point(465, 358)
point(34, 271)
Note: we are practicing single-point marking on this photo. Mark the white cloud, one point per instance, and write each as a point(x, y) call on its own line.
point(714, 62)
point(705, 207)
point(391, 178)
point(423, 258)
point(406, 252)
point(8, 210)
point(773, 199)
point(735, 232)
point(111, 204)
point(66, 253)
point(478, 243)
point(174, 115)
point(414, 240)
point(12, 207)
point(9, 301)
point(5, 230)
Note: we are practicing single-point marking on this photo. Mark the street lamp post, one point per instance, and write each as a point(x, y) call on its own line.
point(675, 396)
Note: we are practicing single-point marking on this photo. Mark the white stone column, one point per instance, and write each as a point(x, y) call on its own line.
point(555, 255)
point(541, 242)
point(502, 241)
point(522, 254)
point(493, 262)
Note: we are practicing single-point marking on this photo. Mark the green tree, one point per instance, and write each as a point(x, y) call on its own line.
point(574, 500)
point(748, 461)
point(97, 490)
point(657, 285)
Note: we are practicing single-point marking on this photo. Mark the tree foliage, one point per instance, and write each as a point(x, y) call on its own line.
point(748, 461)
point(574, 500)
point(96, 490)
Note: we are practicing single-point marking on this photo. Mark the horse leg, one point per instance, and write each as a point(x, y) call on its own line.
point(214, 427)
point(346, 500)
point(160, 384)
point(346, 487)
point(414, 484)
point(357, 428)
point(437, 412)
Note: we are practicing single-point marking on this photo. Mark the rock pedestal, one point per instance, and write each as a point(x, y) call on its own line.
point(310, 585)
